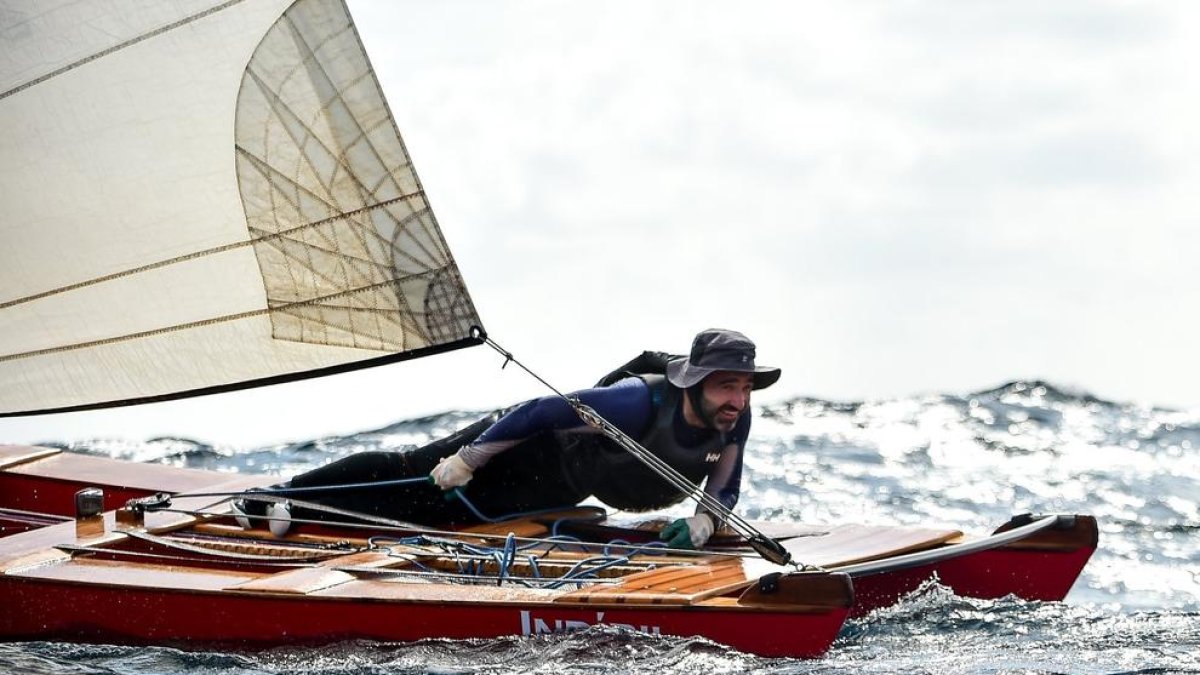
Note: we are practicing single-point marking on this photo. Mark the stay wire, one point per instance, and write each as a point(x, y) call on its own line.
point(768, 548)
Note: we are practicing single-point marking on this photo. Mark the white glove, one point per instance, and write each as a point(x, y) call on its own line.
point(451, 472)
point(701, 528)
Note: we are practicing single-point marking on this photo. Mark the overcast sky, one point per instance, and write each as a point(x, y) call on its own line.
point(890, 198)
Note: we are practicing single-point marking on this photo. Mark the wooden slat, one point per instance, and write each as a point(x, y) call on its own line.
point(643, 528)
point(121, 573)
point(851, 544)
point(15, 455)
point(102, 471)
point(684, 585)
point(320, 577)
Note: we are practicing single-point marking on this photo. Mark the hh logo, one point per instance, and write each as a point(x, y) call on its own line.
point(533, 625)
point(712, 457)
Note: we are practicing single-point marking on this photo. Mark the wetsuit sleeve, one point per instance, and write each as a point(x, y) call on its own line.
point(725, 480)
point(626, 405)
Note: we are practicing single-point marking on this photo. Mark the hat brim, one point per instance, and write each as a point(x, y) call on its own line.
point(683, 375)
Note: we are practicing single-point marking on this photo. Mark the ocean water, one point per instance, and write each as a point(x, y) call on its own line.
point(966, 460)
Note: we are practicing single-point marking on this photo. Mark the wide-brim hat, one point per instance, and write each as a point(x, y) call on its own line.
point(718, 349)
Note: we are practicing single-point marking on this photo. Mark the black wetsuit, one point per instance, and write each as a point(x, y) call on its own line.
point(546, 459)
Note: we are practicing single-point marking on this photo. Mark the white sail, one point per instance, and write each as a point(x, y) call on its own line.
point(199, 196)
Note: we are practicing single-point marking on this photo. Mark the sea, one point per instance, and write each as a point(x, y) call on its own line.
point(968, 460)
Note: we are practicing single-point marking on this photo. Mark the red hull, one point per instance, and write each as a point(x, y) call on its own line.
point(46, 594)
point(90, 613)
point(1030, 575)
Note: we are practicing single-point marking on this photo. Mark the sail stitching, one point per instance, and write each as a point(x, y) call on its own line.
point(310, 65)
point(331, 249)
point(406, 322)
point(263, 168)
point(315, 69)
point(274, 193)
point(275, 174)
point(364, 134)
point(118, 47)
point(278, 108)
point(318, 247)
point(362, 305)
point(198, 324)
point(270, 174)
point(432, 230)
point(198, 254)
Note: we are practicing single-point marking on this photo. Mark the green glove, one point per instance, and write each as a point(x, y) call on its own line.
point(677, 534)
point(688, 533)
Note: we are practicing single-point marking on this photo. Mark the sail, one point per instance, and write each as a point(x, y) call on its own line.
point(201, 196)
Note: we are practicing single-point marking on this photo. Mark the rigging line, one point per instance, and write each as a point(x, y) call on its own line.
point(532, 582)
point(768, 548)
point(592, 418)
point(118, 47)
point(455, 535)
point(204, 253)
point(667, 472)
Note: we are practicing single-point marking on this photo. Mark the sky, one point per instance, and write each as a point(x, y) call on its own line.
point(891, 199)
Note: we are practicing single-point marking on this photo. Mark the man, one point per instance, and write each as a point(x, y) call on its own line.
point(540, 455)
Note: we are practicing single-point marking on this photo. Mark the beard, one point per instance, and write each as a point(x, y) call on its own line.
point(722, 418)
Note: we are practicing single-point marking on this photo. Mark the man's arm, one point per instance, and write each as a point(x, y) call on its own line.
point(626, 404)
point(725, 480)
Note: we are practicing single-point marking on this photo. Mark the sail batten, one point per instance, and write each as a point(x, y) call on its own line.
point(228, 205)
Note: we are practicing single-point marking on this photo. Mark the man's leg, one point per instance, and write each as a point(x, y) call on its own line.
point(420, 502)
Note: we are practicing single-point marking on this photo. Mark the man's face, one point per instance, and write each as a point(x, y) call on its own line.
point(726, 397)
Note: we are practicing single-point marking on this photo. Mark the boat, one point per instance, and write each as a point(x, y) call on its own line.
point(177, 577)
point(233, 206)
point(166, 568)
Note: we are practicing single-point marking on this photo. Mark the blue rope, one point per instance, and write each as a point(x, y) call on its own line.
point(506, 557)
point(457, 492)
point(249, 494)
point(557, 523)
point(628, 544)
point(577, 573)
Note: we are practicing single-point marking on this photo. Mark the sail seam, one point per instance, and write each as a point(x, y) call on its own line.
point(206, 322)
point(421, 352)
point(115, 48)
point(432, 226)
point(200, 254)
point(351, 307)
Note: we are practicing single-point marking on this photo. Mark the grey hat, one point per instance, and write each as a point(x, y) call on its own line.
point(717, 349)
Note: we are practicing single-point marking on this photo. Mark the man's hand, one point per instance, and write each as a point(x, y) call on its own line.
point(688, 533)
point(451, 472)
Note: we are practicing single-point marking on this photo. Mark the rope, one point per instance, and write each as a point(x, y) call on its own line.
point(413, 528)
point(768, 548)
point(251, 494)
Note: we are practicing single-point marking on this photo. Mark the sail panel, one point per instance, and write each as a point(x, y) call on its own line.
point(224, 203)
